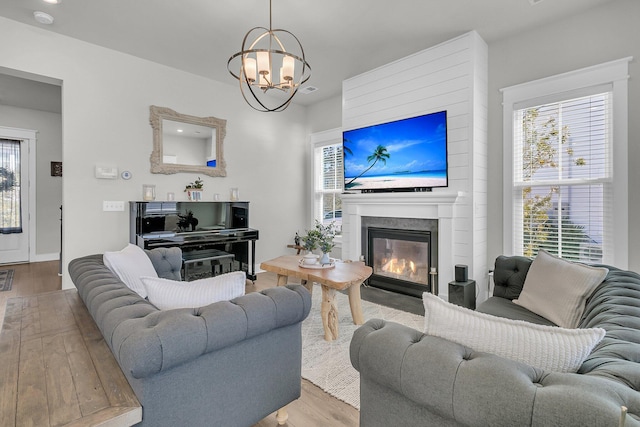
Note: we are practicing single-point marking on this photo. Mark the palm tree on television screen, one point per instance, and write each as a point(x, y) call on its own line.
point(345, 147)
point(380, 153)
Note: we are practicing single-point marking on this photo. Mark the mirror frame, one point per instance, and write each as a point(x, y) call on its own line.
point(157, 114)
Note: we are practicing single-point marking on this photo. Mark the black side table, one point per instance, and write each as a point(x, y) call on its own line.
point(463, 293)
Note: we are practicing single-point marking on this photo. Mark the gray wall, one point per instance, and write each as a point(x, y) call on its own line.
point(600, 35)
point(325, 115)
point(105, 121)
point(48, 188)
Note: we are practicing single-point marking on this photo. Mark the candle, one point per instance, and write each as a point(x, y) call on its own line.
point(284, 83)
point(288, 67)
point(148, 192)
point(264, 67)
point(250, 69)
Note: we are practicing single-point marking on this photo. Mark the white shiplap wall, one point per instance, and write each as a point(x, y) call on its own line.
point(451, 76)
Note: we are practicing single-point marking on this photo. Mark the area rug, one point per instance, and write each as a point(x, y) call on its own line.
point(6, 280)
point(327, 364)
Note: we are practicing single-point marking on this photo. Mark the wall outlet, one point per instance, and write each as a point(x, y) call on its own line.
point(113, 206)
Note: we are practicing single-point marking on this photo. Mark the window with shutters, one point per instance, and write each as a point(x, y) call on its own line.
point(567, 171)
point(328, 184)
point(563, 176)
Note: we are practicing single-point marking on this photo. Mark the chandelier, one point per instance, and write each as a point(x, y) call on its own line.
point(265, 65)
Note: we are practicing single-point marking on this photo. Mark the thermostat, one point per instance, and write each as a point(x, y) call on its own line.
point(125, 175)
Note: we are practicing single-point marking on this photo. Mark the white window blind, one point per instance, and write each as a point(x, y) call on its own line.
point(328, 183)
point(562, 177)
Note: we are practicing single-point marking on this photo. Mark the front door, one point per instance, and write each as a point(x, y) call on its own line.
point(14, 194)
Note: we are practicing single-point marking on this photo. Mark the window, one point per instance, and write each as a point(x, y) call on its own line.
point(566, 166)
point(10, 196)
point(561, 177)
point(328, 177)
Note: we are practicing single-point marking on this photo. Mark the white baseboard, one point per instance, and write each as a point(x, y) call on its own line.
point(55, 256)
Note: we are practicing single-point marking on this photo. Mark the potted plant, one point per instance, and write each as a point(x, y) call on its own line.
point(321, 236)
point(310, 243)
point(325, 243)
point(194, 190)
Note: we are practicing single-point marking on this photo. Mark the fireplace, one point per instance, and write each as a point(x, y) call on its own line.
point(400, 260)
point(402, 254)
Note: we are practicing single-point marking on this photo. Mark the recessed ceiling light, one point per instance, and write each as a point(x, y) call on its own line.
point(43, 18)
point(52, 1)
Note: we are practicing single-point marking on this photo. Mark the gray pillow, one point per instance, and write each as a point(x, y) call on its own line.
point(557, 289)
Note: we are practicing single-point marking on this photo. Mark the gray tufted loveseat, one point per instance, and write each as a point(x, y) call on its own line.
point(411, 379)
point(226, 364)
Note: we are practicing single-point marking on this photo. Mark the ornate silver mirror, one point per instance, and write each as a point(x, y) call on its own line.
point(183, 143)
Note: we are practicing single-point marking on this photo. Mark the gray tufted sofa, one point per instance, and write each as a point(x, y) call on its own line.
point(226, 364)
point(411, 379)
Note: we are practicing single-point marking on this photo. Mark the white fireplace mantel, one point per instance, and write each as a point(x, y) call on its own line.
point(436, 205)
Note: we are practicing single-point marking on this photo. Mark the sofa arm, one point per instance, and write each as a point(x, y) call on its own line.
point(477, 389)
point(164, 339)
point(166, 261)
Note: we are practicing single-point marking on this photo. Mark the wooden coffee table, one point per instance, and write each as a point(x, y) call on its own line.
point(345, 275)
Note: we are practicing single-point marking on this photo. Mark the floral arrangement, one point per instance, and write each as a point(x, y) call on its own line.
point(195, 185)
point(321, 236)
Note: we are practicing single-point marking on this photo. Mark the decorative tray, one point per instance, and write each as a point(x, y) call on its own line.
point(317, 265)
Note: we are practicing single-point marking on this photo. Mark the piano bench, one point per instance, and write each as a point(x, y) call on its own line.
point(206, 263)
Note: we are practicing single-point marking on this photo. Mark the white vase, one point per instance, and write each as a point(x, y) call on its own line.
point(325, 258)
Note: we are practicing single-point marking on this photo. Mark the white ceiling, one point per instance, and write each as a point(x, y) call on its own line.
point(341, 38)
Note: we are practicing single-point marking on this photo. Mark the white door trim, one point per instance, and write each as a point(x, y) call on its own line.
point(29, 138)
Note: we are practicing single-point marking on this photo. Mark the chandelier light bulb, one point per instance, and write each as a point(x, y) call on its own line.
point(250, 69)
point(288, 67)
point(263, 63)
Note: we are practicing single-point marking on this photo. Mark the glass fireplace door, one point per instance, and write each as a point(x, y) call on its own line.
point(400, 259)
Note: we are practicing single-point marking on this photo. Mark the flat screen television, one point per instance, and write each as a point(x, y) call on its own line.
point(403, 155)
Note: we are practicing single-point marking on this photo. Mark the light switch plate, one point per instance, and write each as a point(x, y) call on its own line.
point(112, 206)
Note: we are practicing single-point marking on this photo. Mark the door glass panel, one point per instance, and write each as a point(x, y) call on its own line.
point(10, 187)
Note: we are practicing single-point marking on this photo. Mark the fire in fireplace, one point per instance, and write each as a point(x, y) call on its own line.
point(401, 260)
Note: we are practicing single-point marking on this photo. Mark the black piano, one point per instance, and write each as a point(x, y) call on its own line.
point(214, 237)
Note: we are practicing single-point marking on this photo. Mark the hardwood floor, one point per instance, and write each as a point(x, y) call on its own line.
point(314, 408)
point(30, 279)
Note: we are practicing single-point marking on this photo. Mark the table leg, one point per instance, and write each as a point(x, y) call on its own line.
point(308, 285)
point(282, 279)
point(356, 305)
point(329, 312)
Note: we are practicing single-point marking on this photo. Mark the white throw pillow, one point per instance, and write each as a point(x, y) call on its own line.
point(129, 264)
point(557, 289)
point(546, 347)
point(168, 294)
